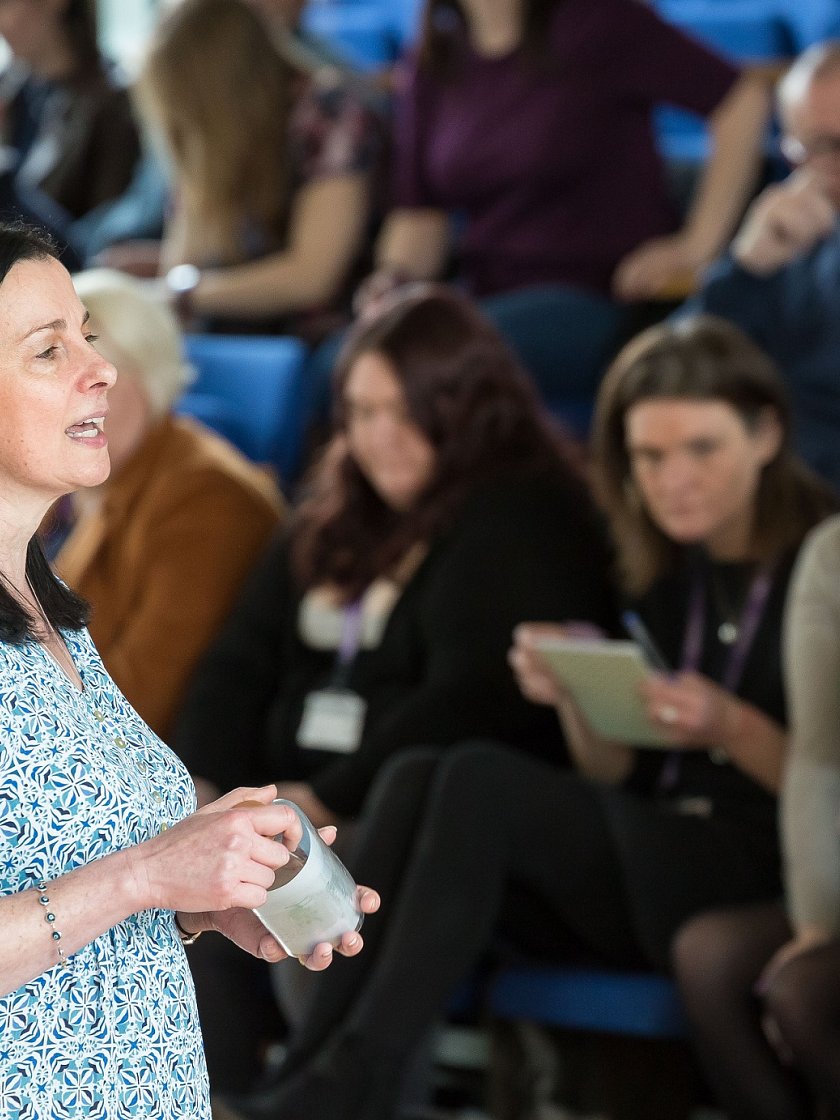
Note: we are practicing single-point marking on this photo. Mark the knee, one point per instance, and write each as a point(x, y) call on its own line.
point(474, 764)
point(405, 775)
point(706, 959)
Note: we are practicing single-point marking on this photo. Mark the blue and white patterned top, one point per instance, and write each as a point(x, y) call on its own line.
point(115, 1034)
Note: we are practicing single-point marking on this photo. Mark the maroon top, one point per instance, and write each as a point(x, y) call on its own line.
point(553, 166)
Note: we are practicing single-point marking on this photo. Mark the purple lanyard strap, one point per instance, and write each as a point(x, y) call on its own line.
point(692, 649)
point(352, 620)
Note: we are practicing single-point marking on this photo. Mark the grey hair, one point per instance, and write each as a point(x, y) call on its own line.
point(143, 330)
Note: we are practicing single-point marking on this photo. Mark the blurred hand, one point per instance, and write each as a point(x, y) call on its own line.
point(693, 711)
point(784, 222)
point(244, 929)
point(536, 681)
point(647, 271)
point(139, 258)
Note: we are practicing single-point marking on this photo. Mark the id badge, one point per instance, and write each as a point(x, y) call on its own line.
point(332, 720)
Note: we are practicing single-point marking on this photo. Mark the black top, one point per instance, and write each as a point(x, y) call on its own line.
point(665, 611)
point(520, 550)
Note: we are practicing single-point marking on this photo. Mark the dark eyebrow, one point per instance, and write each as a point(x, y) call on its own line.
point(55, 325)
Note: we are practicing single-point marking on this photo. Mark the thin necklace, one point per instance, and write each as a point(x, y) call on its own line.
point(50, 630)
point(62, 653)
point(730, 613)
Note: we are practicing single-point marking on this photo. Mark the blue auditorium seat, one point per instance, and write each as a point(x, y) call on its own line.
point(251, 389)
point(368, 34)
point(746, 31)
point(586, 999)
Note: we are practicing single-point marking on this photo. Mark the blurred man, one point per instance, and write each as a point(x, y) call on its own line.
point(780, 280)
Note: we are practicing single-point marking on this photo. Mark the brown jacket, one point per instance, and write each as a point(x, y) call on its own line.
point(162, 558)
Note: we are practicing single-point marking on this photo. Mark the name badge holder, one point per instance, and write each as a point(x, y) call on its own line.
point(333, 717)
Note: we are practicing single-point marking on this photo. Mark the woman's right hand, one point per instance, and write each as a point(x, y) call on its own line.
point(222, 856)
point(536, 681)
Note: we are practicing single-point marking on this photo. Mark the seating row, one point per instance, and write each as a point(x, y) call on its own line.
point(252, 390)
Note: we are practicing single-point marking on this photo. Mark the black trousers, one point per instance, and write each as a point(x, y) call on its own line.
point(478, 840)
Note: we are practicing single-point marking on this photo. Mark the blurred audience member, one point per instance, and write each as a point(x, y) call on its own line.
point(708, 507)
point(271, 188)
point(780, 281)
point(762, 986)
point(441, 514)
point(160, 549)
point(125, 234)
point(68, 133)
point(527, 128)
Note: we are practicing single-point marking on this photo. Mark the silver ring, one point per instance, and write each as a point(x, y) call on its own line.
point(668, 713)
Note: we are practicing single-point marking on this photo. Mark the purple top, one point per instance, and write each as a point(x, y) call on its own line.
point(554, 169)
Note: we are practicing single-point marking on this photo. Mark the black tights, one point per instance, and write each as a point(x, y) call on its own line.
point(451, 839)
point(718, 958)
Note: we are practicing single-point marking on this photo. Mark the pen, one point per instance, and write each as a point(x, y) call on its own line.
point(639, 633)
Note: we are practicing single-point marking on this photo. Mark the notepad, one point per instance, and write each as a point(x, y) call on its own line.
point(604, 675)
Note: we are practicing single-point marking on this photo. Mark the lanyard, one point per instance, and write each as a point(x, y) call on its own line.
point(352, 620)
point(751, 615)
point(692, 649)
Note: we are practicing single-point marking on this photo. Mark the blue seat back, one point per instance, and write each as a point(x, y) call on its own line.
point(746, 31)
point(366, 34)
point(250, 388)
point(585, 999)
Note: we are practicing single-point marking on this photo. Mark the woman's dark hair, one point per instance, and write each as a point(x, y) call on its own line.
point(467, 394)
point(438, 45)
point(701, 358)
point(62, 606)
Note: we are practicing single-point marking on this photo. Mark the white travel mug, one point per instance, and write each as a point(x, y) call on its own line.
point(313, 898)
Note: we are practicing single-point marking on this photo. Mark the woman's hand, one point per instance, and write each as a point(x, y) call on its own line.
point(692, 711)
point(656, 268)
point(244, 929)
point(536, 681)
point(223, 856)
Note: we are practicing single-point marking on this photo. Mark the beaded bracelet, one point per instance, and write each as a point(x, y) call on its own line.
point(49, 918)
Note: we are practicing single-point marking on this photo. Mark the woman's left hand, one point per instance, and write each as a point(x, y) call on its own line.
point(244, 929)
point(692, 711)
point(657, 269)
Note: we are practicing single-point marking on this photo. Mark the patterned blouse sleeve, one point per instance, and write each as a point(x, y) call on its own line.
point(332, 133)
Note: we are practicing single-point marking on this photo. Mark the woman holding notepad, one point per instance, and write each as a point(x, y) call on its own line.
point(708, 507)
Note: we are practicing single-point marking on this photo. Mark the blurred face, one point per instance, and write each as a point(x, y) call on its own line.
point(812, 133)
point(391, 451)
point(697, 467)
point(53, 387)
